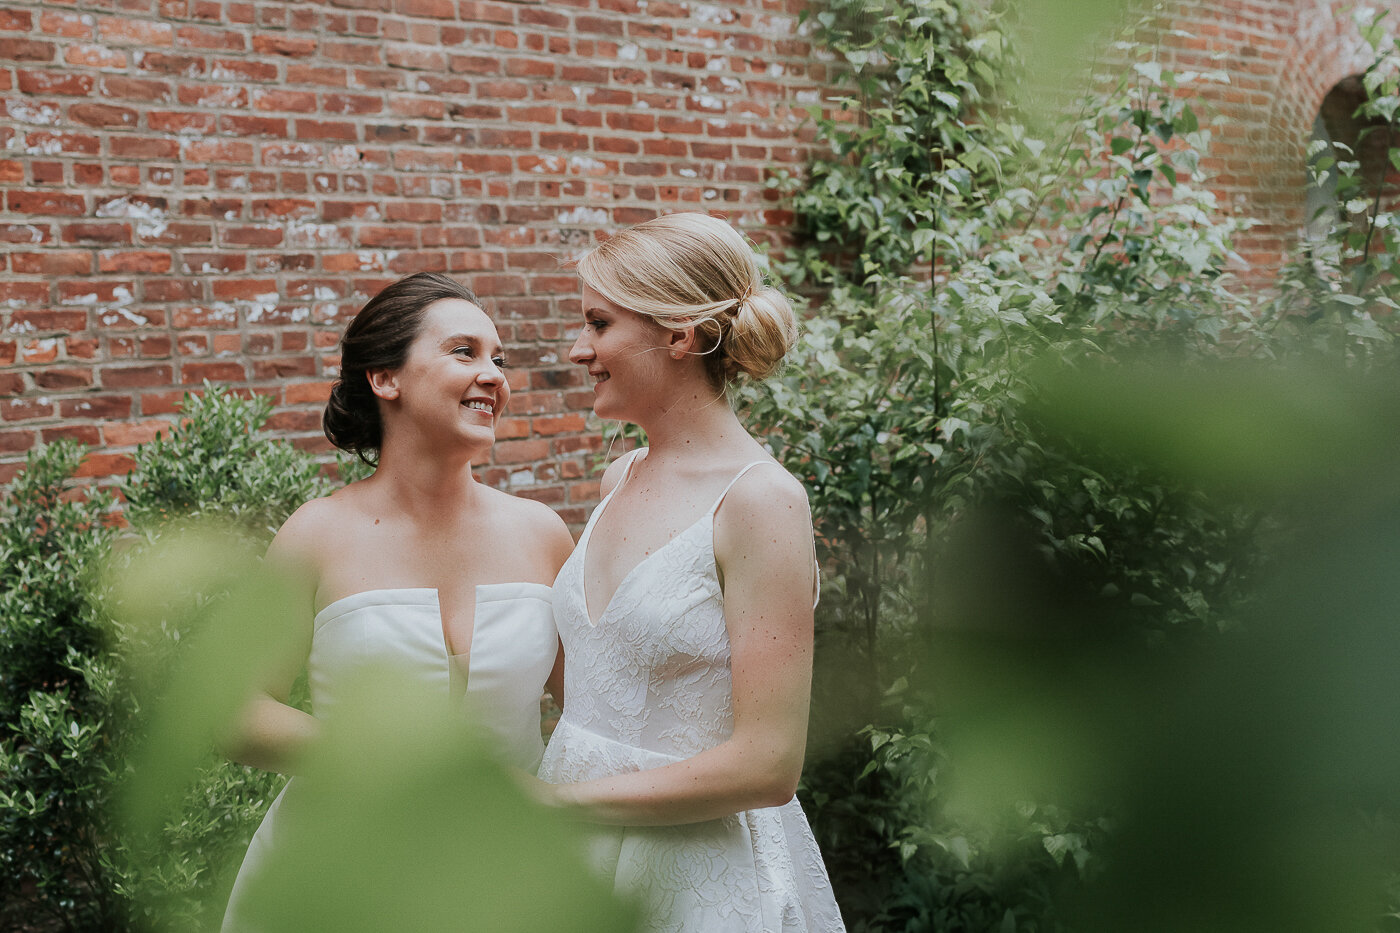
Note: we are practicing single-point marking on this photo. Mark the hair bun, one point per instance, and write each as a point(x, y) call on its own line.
point(761, 332)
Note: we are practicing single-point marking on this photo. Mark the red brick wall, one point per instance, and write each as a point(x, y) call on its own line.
point(209, 189)
point(1282, 57)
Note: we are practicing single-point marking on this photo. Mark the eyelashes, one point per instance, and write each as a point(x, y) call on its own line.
point(499, 361)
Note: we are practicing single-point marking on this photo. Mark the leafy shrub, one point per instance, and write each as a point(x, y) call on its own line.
point(72, 703)
point(908, 411)
point(56, 766)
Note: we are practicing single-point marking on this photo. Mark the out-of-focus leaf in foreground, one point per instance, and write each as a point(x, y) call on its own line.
point(1247, 431)
point(400, 818)
point(233, 619)
point(403, 821)
point(1252, 776)
point(1061, 38)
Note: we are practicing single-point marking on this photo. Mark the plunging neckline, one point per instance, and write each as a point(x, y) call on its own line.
point(627, 577)
point(420, 596)
point(708, 514)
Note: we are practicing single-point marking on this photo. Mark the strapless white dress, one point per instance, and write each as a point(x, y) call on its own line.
point(398, 632)
point(648, 683)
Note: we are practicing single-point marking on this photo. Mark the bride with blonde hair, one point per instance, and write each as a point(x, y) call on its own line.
point(685, 610)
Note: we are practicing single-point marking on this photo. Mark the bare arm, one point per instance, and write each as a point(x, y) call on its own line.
point(763, 544)
point(270, 734)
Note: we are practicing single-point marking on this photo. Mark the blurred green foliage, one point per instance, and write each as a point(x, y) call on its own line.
point(73, 698)
point(955, 242)
point(125, 655)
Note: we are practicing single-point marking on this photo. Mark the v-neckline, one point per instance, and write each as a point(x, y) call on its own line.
point(627, 577)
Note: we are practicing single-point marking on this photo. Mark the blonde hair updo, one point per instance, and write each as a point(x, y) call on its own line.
point(690, 269)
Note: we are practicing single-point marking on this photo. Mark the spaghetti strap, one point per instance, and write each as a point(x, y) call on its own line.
point(816, 567)
point(632, 456)
point(737, 476)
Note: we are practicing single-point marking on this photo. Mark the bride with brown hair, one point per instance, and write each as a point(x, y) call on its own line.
point(685, 611)
point(420, 571)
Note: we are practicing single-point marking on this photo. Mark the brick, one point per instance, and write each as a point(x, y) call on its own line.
point(16, 442)
point(283, 368)
point(81, 348)
point(27, 50)
point(25, 409)
point(142, 90)
point(43, 350)
point(103, 464)
point(283, 100)
point(145, 262)
point(126, 377)
point(200, 37)
point(306, 393)
point(102, 115)
point(43, 83)
point(52, 262)
point(251, 236)
point(187, 66)
point(87, 434)
point(95, 56)
point(119, 30)
point(32, 234)
point(129, 433)
point(143, 148)
point(290, 46)
point(63, 378)
point(16, 20)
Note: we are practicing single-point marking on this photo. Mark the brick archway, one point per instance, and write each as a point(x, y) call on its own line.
point(1329, 49)
point(1282, 57)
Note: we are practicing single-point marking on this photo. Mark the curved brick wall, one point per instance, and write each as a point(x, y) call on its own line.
point(1282, 57)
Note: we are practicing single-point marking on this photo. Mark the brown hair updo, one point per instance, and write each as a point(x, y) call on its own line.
point(692, 269)
point(378, 338)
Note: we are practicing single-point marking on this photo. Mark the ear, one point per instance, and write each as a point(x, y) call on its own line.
point(681, 342)
point(384, 383)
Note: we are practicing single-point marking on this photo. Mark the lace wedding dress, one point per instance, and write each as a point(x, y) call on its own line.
point(647, 684)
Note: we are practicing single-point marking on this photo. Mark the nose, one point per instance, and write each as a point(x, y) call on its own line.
point(582, 350)
point(491, 374)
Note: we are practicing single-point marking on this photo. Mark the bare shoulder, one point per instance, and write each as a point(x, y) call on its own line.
point(534, 514)
point(769, 490)
point(303, 535)
point(766, 498)
point(534, 519)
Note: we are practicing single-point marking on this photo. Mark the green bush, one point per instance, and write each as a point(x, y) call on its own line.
point(952, 251)
point(73, 698)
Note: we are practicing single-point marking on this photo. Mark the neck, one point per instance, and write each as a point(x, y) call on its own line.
point(691, 421)
point(425, 481)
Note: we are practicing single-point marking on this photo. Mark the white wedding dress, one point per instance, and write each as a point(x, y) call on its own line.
point(649, 684)
point(399, 632)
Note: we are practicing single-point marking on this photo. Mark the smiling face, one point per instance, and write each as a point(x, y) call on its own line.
point(451, 384)
point(624, 353)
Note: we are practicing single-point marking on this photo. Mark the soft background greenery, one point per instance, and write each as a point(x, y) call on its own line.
point(1056, 451)
point(1107, 625)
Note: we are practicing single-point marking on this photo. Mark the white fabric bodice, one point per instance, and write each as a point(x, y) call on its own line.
point(646, 684)
point(399, 632)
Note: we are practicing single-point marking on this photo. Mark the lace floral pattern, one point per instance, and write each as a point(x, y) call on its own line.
point(648, 684)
